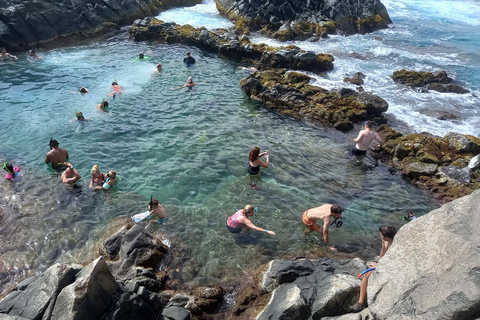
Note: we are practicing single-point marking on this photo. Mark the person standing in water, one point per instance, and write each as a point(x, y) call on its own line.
point(57, 157)
point(324, 212)
point(255, 161)
point(189, 60)
point(70, 175)
point(157, 212)
point(364, 138)
point(240, 222)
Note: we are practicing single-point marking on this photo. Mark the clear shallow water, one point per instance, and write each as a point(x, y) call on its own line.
point(186, 147)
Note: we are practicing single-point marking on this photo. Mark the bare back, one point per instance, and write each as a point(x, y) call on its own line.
point(365, 137)
point(56, 156)
point(320, 213)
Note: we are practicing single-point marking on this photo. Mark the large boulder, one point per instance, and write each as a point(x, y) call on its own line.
point(437, 81)
point(89, 296)
point(431, 271)
point(30, 23)
point(297, 19)
point(286, 302)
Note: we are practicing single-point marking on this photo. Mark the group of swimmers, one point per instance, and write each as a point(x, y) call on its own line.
point(4, 55)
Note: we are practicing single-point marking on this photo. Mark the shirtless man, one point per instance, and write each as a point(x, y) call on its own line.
point(4, 55)
point(365, 137)
point(387, 233)
point(324, 213)
point(157, 213)
point(57, 156)
point(70, 175)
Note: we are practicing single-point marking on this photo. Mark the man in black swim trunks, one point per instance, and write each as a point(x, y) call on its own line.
point(364, 138)
point(56, 156)
point(188, 60)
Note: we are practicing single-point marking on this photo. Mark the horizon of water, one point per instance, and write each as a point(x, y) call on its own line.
point(188, 148)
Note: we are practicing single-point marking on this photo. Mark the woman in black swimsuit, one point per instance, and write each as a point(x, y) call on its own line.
point(255, 162)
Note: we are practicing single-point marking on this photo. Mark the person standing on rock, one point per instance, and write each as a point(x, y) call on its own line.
point(387, 233)
point(324, 213)
point(364, 138)
point(188, 60)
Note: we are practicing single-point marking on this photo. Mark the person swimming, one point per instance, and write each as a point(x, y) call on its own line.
point(32, 54)
point(79, 116)
point(159, 67)
point(190, 84)
point(117, 89)
point(4, 55)
point(12, 171)
point(56, 157)
point(111, 180)
point(141, 56)
point(103, 105)
point(84, 90)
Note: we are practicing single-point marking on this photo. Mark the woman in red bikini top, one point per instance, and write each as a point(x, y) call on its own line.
point(240, 221)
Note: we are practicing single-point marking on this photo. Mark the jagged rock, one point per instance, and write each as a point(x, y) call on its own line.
point(175, 313)
point(373, 104)
point(462, 175)
point(34, 296)
point(432, 270)
point(89, 296)
point(286, 302)
point(280, 271)
point(463, 143)
point(438, 81)
point(295, 19)
point(474, 162)
point(30, 23)
point(416, 169)
point(357, 79)
point(449, 87)
point(445, 115)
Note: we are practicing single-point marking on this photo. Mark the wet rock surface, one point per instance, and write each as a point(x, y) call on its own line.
point(291, 93)
point(229, 45)
point(300, 20)
point(26, 24)
point(438, 81)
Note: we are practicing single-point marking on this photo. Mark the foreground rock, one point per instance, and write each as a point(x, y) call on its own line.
point(304, 289)
point(432, 270)
point(438, 81)
point(300, 20)
point(231, 46)
point(25, 24)
point(136, 289)
point(291, 93)
point(444, 166)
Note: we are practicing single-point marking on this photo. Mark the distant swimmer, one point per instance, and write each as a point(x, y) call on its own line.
point(365, 137)
point(4, 55)
point(240, 222)
point(79, 116)
point(111, 180)
point(159, 68)
point(141, 56)
point(190, 84)
point(116, 89)
point(157, 212)
point(56, 157)
point(189, 60)
point(12, 172)
point(33, 55)
point(255, 162)
point(84, 90)
point(103, 105)
point(98, 178)
point(70, 175)
point(324, 213)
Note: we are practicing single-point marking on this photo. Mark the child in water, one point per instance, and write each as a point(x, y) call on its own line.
point(12, 171)
point(80, 117)
point(157, 213)
point(409, 217)
point(103, 106)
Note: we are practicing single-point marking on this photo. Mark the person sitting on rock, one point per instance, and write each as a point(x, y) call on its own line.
point(4, 55)
point(365, 137)
point(387, 233)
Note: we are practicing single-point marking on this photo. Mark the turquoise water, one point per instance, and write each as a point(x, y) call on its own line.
point(188, 148)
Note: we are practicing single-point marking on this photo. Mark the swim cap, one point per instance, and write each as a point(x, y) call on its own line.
point(190, 79)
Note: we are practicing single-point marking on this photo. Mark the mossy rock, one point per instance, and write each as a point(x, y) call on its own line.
point(416, 79)
point(297, 77)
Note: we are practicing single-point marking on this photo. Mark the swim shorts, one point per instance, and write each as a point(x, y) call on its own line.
point(358, 152)
point(311, 224)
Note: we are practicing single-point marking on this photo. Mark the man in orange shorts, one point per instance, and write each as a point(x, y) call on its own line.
point(324, 213)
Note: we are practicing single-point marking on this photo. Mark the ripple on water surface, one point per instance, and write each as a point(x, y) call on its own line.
point(186, 147)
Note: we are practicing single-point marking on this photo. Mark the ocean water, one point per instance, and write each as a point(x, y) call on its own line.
point(189, 149)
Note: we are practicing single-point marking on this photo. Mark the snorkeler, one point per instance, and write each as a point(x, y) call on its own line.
point(70, 175)
point(117, 89)
point(324, 213)
point(240, 222)
point(188, 60)
point(12, 171)
point(103, 105)
point(111, 180)
point(141, 56)
point(157, 212)
point(57, 157)
point(4, 55)
point(79, 116)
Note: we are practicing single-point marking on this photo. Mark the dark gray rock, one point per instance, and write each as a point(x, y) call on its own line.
point(373, 104)
point(286, 302)
point(281, 271)
point(449, 87)
point(462, 175)
point(175, 313)
point(439, 276)
point(463, 143)
point(416, 169)
point(33, 296)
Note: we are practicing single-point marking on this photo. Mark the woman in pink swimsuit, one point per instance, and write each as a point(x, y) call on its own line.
point(240, 221)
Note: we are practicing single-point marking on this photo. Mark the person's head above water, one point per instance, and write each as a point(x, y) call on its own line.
point(53, 143)
point(112, 174)
point(254, 153)
point(248, 210)
point(187, 54)
point(79, 115)
point(159, 66)
point(83, 90)
point(114, 83)
point(8, 167)
point(336, 211)
point(104, 104)
point(31, 53)
point(3, 50)
point(95, 169)
point(190, 80)
point(141, 55)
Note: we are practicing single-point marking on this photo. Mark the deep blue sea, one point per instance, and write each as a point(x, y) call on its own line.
point(189, 148)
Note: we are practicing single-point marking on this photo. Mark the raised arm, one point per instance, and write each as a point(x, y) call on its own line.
point(249, 224)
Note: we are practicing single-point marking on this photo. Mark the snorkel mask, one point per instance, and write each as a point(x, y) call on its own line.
point(255, 210)
point(338, 222)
